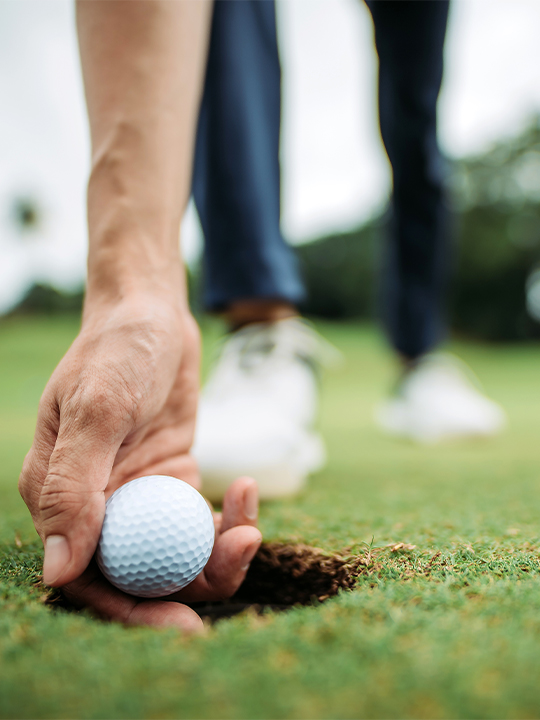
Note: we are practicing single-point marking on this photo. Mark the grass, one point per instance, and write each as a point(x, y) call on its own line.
point(449, 629)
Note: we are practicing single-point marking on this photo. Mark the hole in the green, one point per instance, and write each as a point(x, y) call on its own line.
point(284, 575)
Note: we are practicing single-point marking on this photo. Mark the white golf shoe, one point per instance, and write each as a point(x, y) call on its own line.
point(439, 399)
point(258, 408)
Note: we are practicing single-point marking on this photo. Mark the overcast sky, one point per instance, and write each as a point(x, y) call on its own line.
point(335, 173)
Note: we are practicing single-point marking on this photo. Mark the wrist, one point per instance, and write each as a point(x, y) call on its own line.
point(123, 285)
point(134, 224)
point(126, 266)
point(138, 312)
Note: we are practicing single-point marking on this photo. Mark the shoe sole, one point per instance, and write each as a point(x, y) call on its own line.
point(394, 421)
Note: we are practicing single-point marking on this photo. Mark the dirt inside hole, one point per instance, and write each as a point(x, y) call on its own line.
point(283, 575)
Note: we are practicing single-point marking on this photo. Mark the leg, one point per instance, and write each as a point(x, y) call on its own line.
point(236, 180)
point(257, 409)
point(409, 37)
point(434, 399)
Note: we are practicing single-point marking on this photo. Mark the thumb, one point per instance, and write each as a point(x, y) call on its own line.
point(72, 500)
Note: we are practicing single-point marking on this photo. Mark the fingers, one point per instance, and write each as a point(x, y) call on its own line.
point(227, 567)
point(62, 483)
point(36, 462)
point(218, 519)
point(123, 386)
point(71, 504)
point(225, 571)
point(92, 591)
point(160, 613)
point(161, 450)
point(240, 504)
point(181, 465)
point(237, 541)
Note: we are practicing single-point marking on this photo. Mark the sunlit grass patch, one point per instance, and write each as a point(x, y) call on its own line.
point(435, 554)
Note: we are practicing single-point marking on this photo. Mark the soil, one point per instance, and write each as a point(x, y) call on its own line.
point(287, 574)
point(283, 575)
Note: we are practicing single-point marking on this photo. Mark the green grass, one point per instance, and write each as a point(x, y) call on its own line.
point(424, 635)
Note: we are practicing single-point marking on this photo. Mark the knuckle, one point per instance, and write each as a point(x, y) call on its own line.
point(95, 405)
point(61, 499)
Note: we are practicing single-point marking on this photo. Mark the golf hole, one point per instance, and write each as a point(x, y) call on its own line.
point(285, 575)
point(281, 576)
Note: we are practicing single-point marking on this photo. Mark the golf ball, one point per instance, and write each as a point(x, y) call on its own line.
point(157, 536)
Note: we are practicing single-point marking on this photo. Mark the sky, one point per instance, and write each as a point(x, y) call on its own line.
point(334, 171)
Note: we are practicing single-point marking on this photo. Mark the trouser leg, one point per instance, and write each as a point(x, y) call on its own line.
point(236, 183)
point(409, 37)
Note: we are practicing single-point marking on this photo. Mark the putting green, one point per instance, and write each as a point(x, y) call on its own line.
point(450, 628)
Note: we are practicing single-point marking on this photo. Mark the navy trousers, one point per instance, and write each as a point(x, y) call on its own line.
point(236, 184)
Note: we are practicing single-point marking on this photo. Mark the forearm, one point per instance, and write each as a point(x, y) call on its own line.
point(143, 63)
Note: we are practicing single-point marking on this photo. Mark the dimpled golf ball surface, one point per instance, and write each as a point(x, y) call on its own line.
point(157, 536)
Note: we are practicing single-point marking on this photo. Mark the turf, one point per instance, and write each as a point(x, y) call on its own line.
point(450, 628)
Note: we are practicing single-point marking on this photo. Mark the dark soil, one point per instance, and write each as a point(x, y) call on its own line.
point(283, 575)
point(286, 574)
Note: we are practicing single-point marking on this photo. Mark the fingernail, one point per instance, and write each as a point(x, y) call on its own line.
point(249, 554)
point(251, 501)
point(57, 556)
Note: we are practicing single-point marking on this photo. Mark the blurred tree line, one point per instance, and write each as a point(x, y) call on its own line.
point(495, 292)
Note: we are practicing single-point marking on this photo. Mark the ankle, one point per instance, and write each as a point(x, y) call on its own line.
point(246, 312)
point(407, 364)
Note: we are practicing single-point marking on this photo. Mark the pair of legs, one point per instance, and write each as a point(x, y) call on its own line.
point(250, 272)
point(256, 415)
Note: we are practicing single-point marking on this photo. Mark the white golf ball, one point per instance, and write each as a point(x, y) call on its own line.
point(157, 536)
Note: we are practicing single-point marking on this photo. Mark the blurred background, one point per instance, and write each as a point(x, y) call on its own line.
point(336, 177)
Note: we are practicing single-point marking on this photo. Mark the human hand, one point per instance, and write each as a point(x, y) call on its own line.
point(121, 404)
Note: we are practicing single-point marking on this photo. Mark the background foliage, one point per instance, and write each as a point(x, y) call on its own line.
point(495, 199)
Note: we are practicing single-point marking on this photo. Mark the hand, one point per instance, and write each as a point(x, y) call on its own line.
point(121, 404)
